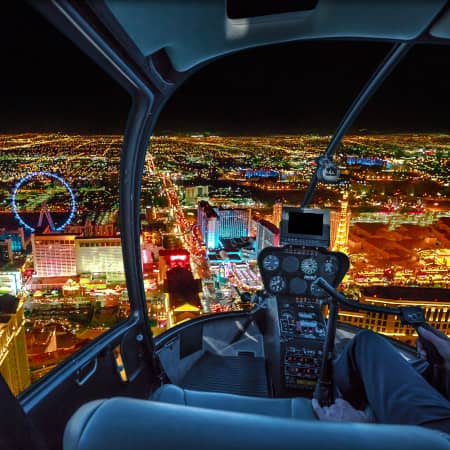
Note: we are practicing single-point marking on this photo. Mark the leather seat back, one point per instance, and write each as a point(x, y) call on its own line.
point(130, 424)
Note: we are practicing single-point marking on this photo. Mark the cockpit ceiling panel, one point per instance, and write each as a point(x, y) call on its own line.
point(193, 31)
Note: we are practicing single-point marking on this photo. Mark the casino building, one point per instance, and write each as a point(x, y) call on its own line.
point(233, 223)
point(267, 235)
point(13, 350)
point(54, 254)
point(222, 223)
point(435, 302)
point(208, 222)
point(100, 254)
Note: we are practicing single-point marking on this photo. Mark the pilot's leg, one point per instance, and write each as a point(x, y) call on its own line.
point(370, 371)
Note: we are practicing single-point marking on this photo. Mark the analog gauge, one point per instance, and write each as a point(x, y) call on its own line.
point(297, 286)
point(271, 262)
point(330, 266)
point(277, 284)
point(309, 266)
point(290, 264)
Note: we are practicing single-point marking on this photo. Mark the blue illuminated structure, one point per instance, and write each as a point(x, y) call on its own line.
point(365, 161)
point(28, 177)
point(233, 223)
point(16, 242)
point(261, 173)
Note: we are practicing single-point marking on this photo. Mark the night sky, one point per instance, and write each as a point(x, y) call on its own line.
point(47, 84)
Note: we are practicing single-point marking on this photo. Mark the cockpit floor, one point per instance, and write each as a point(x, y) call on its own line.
point(243, 375)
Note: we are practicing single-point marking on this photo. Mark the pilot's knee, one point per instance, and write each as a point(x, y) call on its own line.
point(367, 337)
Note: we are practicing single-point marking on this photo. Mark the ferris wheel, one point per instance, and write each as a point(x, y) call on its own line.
point(44, 210)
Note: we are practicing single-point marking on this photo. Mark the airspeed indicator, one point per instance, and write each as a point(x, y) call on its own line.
point(271, 262)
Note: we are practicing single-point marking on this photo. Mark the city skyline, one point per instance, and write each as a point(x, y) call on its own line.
point(391, 211)
point(225, 200)
point(235, 143)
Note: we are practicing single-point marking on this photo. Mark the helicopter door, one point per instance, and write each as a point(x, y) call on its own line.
point(74, 336)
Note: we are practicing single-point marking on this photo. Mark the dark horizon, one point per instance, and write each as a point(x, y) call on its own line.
point(48, 85)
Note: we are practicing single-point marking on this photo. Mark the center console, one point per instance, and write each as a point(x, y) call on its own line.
point(296, 327)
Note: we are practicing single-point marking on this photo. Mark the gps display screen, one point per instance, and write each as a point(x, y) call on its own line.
point(305, 223)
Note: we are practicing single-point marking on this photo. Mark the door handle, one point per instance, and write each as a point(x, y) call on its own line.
point(81, 380)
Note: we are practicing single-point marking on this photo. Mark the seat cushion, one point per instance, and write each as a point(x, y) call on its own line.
point(298, 408)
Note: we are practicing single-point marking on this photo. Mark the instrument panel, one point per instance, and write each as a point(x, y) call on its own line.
point(292, 270)
point(289, 273)
point(302, 335)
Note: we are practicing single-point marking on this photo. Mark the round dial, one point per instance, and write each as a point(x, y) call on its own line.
point(297, 286)
point(330, 266)
point(277, 284)
point(290, 264)
point(271, 262)
point(309, 266)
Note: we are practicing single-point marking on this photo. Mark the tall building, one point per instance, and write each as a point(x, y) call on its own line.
point(276, 213)
point(233, 223)
point(340, 226)
point(267, 235)
point(54, 254)
point(13, 350)
point(11, 243)
point(100, 254)
point(169, 259)
point(208, 222)
point(10, 282)
point(222, 223)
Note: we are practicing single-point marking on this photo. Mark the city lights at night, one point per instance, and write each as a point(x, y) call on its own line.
point(210, 246)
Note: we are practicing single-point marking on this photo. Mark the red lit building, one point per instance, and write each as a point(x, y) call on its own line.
point(169, 259)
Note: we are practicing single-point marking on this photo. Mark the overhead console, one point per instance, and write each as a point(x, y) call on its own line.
point(296, 325)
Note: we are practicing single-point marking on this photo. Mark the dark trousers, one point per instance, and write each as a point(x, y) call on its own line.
point(370, 371)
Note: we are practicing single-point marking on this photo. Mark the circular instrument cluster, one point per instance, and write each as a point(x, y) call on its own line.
point(293, 272)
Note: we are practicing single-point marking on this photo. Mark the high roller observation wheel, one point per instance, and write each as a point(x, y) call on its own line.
point(28, 177)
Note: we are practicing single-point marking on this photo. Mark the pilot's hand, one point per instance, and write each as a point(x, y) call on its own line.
point(420, 349)
point(441, 343)
point(340, 411)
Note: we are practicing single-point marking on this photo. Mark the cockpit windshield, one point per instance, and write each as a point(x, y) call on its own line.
point(239, 141)
point(226, 163)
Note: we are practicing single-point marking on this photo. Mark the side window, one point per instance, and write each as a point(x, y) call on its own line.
point(395, 213)
point(62, 279)
point(233, 145)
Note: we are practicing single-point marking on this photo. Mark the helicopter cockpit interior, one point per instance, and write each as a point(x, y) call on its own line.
point(241, 379)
